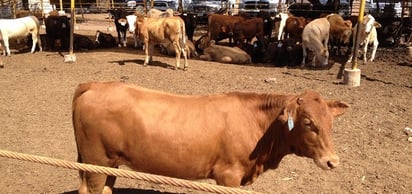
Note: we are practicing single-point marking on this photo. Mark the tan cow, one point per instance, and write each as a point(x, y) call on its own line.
point(315, 37)
point(225, 54)
point(165, 30)
point(230, 137)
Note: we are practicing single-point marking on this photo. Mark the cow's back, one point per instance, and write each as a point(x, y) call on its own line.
point(316, 31)
point(161, 29)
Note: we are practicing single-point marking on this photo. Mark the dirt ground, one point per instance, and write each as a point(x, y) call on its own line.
point(376, 156)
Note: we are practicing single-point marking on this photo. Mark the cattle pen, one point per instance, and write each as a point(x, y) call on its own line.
point(37, 91)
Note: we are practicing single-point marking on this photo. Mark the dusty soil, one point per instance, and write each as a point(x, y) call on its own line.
point(376, 157)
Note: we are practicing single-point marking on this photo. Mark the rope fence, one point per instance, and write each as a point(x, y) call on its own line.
point(124, 173)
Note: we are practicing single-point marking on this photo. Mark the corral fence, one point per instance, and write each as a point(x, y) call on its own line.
point(396, 27)
point(157, 179)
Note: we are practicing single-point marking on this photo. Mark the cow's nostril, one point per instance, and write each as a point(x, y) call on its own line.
point(332, 164)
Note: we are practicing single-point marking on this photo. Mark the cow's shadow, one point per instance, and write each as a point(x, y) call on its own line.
point(140, 62)
point(126, 191)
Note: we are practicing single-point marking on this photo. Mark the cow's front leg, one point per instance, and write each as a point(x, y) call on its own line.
point(314, 61)
point(124, 39)
point(374, 48)
point(365, 50)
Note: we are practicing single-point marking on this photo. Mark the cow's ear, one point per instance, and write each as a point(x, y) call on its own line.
point(289, 111)
point(337, 107)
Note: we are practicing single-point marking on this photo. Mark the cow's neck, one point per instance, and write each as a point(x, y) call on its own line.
point(272, 147)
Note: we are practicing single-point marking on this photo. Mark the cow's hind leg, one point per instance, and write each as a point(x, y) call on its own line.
point(35, 40)
point(304, 54)
point(178, 52)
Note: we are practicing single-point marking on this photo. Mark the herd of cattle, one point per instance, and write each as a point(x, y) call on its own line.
point(250, 38)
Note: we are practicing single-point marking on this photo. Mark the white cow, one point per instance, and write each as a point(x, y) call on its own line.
point(283, 17)
point(368, 35)
point(315, 37)
point(19, 28)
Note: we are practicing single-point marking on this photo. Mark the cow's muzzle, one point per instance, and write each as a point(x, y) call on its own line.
point(327, 162)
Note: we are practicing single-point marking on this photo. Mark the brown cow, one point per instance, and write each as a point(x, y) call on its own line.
point(340, 30)
point(230, 137)
point(221, 26)
point(294, 28)
point(247, 30)
point(162, 31)
point(315, 37)
point(169, 49)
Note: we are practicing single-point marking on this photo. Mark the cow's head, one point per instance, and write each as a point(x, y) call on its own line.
point(322, 56)
point(369, 22)
point(309, 119)
point(131, 20)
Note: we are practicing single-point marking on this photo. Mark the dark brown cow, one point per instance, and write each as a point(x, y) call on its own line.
point(248, 29)
point(221, 26)
point(230, 137)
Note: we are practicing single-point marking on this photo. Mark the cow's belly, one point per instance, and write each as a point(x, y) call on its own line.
point(159, 137)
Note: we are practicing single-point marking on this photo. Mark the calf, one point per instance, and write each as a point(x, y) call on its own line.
point(230, 137)
point(169, 49)
point(315, 37)
point(81, 42)
point(225, 54)
point(104, 40)
point(368, 35)
point(120, 21)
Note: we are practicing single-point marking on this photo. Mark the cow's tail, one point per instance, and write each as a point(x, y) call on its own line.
point(80, 89)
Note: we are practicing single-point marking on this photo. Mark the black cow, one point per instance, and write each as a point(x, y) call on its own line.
point(190, 20)
point(104, 40)
point(120, 21)
point(81, 42)
point(268, 23)
point(57, 30)
point(283, 53)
